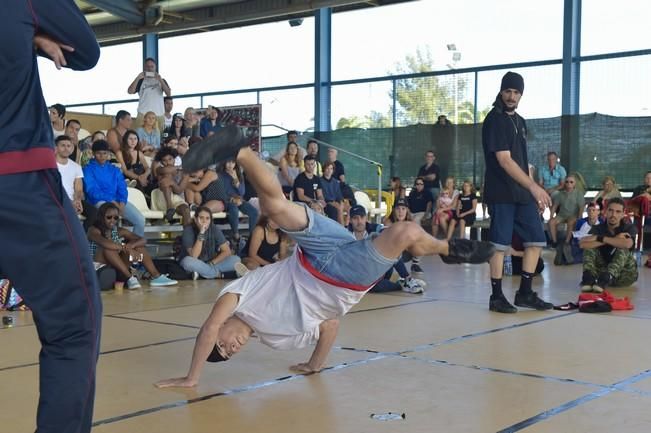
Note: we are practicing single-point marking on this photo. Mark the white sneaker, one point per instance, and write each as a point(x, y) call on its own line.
point(410, 285)
point(420, 282)
point(195, 276)
point(241, 269)
point(133, 283)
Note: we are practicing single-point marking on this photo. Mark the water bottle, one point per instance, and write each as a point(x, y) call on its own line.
point(508, 265)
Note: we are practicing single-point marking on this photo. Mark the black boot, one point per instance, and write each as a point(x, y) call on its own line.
point(221, 146)
point(466, 251)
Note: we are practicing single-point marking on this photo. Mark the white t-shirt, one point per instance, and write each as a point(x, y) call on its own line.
point(56, 133)
point(69, 172)
point(285, 304)
point(151, 96)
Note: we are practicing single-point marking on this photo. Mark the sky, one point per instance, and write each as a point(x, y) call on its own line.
point(370, 43)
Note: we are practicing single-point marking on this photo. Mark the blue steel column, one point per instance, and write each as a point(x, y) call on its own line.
point(322, 69)
point(150, 46)
point(571, 85)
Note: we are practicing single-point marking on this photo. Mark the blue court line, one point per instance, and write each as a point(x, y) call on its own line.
point(618, 386)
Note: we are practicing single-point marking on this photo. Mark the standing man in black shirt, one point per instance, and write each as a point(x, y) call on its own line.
point(431, 173)
point(514, 199)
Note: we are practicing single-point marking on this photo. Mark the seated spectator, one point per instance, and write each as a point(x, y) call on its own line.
point(395, 186)
point(172, 184)
point(87, 154)
point(165, 120)
point(206, 251)
point(173, 143)
point(466, 210)
point(264, 247)
point(401, 212)
point(335, 206)
point(339, 172)
point(640, 203)
point(567, 207)
point(72, 179)
point(361, 229)
point(307, 185)
point(313, 149)
point(177, 129)
point(290, 166)
point(114, 135)
point(210, 124)
point(608, 258)
point(57, 118)
point(120, 248)
point(191, 121)
point(445, 206)
point(582, 229)
point(234, 203)
point(149, 134)
point(292, 137)
point(609, 191)
point(552, 174)
point(73, 126)
point(203, 188)
point(420, 200)
point(103, 182)
point(132, 159)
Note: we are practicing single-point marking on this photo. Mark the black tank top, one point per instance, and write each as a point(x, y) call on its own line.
point(266, 250)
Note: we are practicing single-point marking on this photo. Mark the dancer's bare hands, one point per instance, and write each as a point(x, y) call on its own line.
point(177, 382)
point(543, 200)
point(304, 367)
point(52, 48)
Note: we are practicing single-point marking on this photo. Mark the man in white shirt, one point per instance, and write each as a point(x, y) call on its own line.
point(72, 178)
point(151, 87)
point(298, 301)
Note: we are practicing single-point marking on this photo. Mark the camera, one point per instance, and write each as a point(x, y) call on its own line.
point(150, 74)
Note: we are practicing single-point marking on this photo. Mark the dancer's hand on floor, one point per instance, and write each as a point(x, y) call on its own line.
point(304, 367)
point(177, 382)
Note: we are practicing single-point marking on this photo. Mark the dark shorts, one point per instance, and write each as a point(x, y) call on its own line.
point(524, 219)
point(468, 219)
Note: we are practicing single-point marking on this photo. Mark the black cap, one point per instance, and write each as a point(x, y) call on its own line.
point(512, 80)
point(401, 202)
point(215, 356)
point(100, 145)
point(357, 210)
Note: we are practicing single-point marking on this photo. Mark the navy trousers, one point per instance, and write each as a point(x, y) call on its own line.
point(44, 252)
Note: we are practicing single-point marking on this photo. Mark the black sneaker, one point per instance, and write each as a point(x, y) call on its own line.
point(416, 269)
point(531, 300)
point(467, 251)
point(499, 304)
point(221, 146)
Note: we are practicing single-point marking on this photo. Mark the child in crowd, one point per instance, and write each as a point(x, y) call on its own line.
point(466, 210)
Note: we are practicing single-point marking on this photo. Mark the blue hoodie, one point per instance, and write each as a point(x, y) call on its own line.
point(26, 142)
point(104, 183)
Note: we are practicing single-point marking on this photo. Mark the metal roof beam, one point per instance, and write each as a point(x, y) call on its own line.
point(125, 9)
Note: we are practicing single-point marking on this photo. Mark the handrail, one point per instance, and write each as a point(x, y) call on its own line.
point(377, 164)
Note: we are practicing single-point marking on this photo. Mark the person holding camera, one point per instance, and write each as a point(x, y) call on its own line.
point(151, 88)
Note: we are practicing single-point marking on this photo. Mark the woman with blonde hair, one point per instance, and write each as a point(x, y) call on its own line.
point(609, 191)
point(445, 205)
point(149, 134)
point(290, 166)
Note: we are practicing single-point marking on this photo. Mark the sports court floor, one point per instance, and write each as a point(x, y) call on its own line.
point(441, 359)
